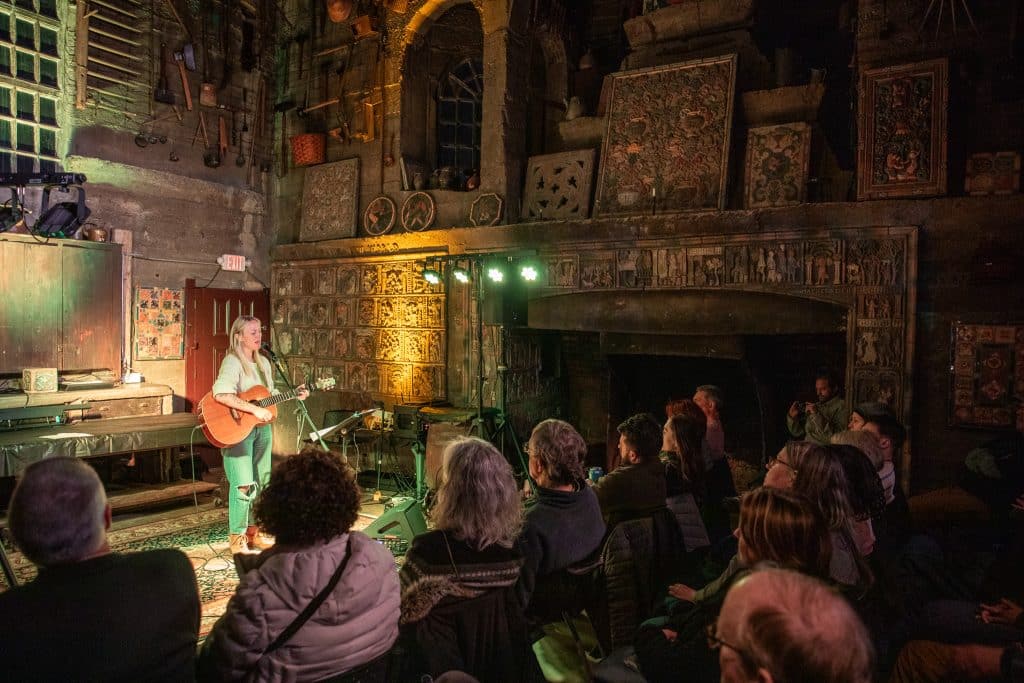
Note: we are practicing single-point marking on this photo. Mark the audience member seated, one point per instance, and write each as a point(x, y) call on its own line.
point(866, 494)
point(776, 526)
point(91, 614)
point(309, 506)
point(636, 487)
point(816, 474)
point(460, 609)
point(891, 435)
point(564, 525)
point(779, 625)
point(867, 411)
point(720, 484)
point(684, 477)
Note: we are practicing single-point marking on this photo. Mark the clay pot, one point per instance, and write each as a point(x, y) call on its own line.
point(96, 234)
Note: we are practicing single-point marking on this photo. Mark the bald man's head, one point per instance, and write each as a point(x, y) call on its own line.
point(778, 626)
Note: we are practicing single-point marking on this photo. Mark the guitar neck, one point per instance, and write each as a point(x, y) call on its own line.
point(276, 398)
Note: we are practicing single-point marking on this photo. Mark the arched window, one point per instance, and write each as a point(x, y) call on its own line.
point(459, 115)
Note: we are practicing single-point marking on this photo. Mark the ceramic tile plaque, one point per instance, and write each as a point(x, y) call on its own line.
point(993, 173)
point(666, 147)
point(988, 375)
point(778, 159)
point(330, 201)
point(902, 148)
point(558, 185)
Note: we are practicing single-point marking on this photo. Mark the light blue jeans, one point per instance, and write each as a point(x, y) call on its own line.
point(247, 467)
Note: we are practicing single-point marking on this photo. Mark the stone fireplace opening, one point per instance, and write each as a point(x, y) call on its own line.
point(759, 378)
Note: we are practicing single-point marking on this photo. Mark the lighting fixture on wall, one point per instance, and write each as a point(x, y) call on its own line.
point(432, 274)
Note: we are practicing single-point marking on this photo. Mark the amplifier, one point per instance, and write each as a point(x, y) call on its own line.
point(407, 420)
point(39, 380)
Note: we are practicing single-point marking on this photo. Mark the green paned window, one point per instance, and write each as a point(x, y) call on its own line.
point(47, 41)
point(48, 72)
point(26, 106)
point(26, 66)
point(31, 36)
point(48, 142)
point(25, 34)
point(47, 111)
point(26, 138)
point(25, 163)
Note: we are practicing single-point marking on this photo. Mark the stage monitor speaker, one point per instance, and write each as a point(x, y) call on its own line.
point(505, 303)
point(439, 435)
point(404, 520)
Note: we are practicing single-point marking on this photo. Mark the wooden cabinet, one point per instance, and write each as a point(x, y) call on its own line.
point(60, 304)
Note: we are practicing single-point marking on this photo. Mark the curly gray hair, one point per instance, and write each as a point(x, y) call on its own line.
point(478, 500)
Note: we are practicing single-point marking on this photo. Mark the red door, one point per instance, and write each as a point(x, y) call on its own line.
point(209, 314)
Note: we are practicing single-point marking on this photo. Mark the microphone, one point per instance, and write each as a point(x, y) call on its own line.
point(265, 348)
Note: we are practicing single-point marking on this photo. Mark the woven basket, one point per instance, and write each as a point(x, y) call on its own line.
point(308, 149)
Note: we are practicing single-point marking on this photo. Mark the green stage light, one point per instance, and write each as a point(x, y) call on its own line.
point(495, 274)
point(432, 275)
point(460, 274)
point(528, 272)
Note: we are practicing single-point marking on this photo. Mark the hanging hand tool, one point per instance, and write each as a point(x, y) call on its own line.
point(163, 92)
point(180, 59)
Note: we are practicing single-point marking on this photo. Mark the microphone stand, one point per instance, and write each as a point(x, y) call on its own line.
point(301, 409)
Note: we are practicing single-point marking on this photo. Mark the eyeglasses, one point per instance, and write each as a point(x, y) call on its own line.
point(775, 461)
point(716, 643)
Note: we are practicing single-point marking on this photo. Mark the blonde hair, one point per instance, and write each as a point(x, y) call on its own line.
point(236, 342)
point(478, 500)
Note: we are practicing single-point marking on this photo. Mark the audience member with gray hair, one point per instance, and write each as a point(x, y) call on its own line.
point(91, 614)
point(778, 625)
point(564, 524)
point(460, 609)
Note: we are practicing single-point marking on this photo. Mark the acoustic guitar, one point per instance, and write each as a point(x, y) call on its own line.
point(225, 426)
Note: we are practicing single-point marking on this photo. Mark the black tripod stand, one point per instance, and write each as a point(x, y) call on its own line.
point(494, 427)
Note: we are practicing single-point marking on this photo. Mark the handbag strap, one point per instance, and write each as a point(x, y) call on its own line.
point(314, 604)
